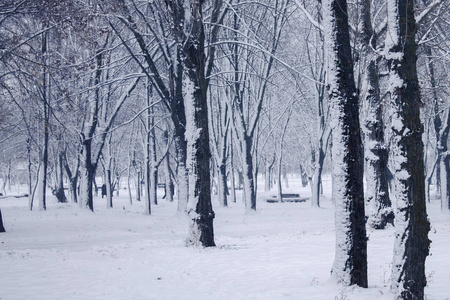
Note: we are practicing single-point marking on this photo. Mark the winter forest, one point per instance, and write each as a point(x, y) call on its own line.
point(224, 149)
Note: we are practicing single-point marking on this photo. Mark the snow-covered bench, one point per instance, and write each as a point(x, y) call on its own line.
point(287, 198)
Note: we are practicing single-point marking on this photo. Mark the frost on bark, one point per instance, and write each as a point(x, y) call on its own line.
point(350, 265)
point(197, 134)
point(376, 154)
point(411, 223)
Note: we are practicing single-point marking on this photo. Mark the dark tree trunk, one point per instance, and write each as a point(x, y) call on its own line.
point(88, 176)
point(223, 188)
point(350, 265)
point(411, 224)
point(168, 178)
point(138, 186)
point(249, 184)
point(200, 207)
point(109, 187)
point(376, 153)
point(59, 191)
point(73, 179)
point(2, 228)
point(304, 176)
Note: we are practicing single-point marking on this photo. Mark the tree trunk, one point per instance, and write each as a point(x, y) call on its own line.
point(444, 162)
point(247, 165)
point(317, 177)
point(109, 190)
point(130, 197)
point(30, 177)
point(222, 174)
point(182, 173)
point(376, 152)
point(2, 228)
point(200, 207)
point(88, 174)
point(350, 264)
point(73, 179)
point(411, 224)
point(138, 186)
point(167, 176)
point(231, 170)
point(303, 176)
point(59, 191)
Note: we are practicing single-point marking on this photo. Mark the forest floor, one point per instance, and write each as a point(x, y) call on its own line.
point(282, 251)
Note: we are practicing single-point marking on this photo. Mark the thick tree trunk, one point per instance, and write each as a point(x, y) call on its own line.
point(376, 153)
point(182, 174)
point(350, 264)
point(87, 176)
point(411, 224)
point(200, 207)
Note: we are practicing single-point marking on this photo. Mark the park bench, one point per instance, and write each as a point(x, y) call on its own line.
point(287, 198)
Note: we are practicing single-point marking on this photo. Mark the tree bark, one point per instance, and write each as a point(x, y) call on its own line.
point(411, 224)
point(59, 190)
point(350, 264)
point(376, 153)
point(166, 163)
point(200, 207)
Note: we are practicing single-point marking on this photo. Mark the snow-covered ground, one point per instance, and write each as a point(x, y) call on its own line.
point(283, 251)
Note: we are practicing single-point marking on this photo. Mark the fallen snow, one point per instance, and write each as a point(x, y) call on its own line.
point(284, 251)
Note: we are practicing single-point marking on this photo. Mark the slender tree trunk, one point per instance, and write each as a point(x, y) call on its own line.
point(247, 165)
point(222, 174)
point(59, 192)
point(2, 228)
point(138, 186)
point(130, 197)
point(30, 177)
point(109, 190)
point(350, 264)
point(317, 177)
point(231, 170)
point(44, 154)
point(304, 176)
point(411, 224)
point(444, 161)
point(166, 164)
